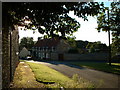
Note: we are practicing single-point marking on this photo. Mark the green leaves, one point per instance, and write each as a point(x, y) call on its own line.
point(113, 24)
point(53, 16)
point(26, 42)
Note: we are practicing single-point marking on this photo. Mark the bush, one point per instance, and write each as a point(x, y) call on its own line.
point(73, 50)
point(92, 50)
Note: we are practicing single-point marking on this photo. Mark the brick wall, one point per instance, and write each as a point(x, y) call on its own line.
point(9, 49)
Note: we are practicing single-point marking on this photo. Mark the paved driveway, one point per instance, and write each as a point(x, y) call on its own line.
point(99, 78)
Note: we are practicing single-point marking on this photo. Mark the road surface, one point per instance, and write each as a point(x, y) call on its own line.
point(98, 78)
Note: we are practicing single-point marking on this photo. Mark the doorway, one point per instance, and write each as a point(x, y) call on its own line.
point(60, 57)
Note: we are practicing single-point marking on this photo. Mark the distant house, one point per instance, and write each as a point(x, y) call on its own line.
point(24, 53)
point(44, 48)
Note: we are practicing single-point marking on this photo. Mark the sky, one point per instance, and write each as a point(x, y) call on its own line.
point(86, 32)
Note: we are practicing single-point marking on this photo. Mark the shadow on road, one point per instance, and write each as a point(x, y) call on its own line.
point(68, 63)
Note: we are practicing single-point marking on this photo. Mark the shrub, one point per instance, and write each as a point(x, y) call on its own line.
point(73, 50)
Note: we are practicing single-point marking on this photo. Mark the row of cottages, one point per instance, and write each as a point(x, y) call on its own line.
point(45, 48)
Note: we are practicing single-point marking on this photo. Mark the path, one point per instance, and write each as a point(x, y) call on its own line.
point(99, 78)
point(24, 77)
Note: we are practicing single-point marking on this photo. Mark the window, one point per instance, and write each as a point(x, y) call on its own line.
point(53, 48)
point(46, 48)
point(43, 55)
point(43, 49)
point(33, 48)
point(39, 48)
point(39, 54)
point(47, 55)
point(36, 48)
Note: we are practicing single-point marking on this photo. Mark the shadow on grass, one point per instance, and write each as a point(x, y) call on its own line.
point(96, 65)
point(114, 68)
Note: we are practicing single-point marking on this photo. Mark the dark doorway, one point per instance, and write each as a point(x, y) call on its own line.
point(61, 57)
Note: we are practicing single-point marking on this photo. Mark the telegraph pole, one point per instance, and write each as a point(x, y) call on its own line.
point(109, 39)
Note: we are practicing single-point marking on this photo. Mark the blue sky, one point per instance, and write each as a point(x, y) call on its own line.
point(86, 32)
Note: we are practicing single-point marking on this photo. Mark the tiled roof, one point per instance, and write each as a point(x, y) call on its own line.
point(47, 43)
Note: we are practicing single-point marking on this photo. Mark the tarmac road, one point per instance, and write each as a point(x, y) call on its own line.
point(98, 78)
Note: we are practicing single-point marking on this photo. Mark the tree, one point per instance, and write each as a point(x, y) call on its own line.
point(116, 47)
point(26, 42)
point(112, 24)
point(97, 47)
point(89, 45)
point(81, 44)
point(52, 16)
point(71, 41)
point(73, 51)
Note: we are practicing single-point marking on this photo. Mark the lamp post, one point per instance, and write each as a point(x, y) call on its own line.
point(109, 39)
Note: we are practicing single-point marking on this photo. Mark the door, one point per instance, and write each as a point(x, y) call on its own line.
point(61, 57)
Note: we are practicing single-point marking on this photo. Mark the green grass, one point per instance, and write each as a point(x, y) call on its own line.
point(114, 68)
point(22, 60)
point(45, 74)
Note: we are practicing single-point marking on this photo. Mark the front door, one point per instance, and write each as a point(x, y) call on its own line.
point(61, 57)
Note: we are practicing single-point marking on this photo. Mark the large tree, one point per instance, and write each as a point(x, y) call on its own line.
point(111, 24)
point(97, 47)
point(52, 16)
point(26, 42)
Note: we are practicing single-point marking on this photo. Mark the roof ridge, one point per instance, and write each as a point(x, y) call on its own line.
point(48, 42)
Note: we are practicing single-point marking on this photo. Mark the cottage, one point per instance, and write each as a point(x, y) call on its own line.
point(44, 48)
point(24, 53)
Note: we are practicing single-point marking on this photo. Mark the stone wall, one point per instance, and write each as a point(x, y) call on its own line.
point(54, 56)
point(62, 47)
point(9, 55)
point(89, 56)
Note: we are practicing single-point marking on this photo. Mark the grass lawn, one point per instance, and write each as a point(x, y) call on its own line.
point(21, 60)
point(24, 78)
point(47, 75)
point(114, 68)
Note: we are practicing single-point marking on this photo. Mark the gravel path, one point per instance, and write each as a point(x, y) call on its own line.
point(99, 78)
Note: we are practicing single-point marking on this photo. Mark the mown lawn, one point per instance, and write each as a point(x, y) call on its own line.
point(114, 68)
point(54, 79)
